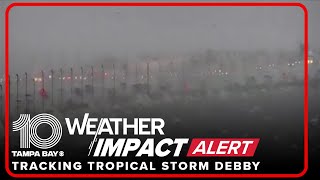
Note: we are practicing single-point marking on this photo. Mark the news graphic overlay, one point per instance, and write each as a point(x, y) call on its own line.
point(122, 147)
point(156, 90)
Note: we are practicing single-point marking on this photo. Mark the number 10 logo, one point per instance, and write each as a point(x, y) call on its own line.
point(28, 130)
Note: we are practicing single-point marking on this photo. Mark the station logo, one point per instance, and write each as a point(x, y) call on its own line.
point(28, 130)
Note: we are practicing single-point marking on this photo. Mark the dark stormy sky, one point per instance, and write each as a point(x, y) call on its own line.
point(56, 36)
